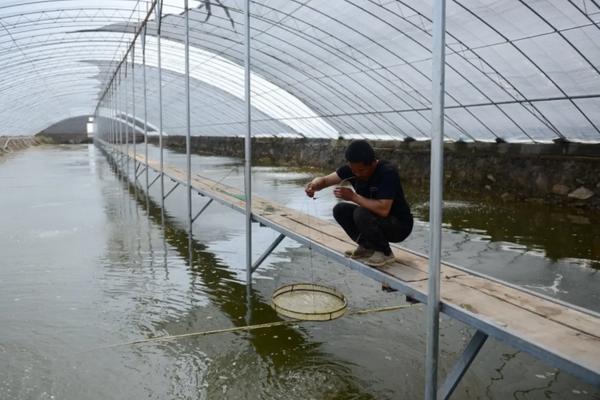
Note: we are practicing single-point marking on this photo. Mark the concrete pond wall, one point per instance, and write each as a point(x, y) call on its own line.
point(557, 173)
point(9, 144)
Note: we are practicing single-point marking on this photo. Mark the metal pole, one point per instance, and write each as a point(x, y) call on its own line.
point(187, 116)
point(435, 199)
point(133, 124)
point(248, 145)
point(119, 114)
point(112, 121)
point(127, 122)
point(160, 110)
point(145, 107)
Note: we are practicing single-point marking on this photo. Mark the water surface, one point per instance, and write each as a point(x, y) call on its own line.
point(88, 261)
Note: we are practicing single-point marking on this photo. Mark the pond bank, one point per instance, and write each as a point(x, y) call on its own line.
point(9, 144)
point(564, 174)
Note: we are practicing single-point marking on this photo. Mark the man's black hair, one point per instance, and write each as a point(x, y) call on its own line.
point(360, 151)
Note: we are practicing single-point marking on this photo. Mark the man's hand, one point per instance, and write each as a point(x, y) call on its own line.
point(309, 189)
point(321, 183)
point(344, 193)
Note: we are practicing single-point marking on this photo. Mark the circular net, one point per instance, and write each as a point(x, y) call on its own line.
point(309, 301)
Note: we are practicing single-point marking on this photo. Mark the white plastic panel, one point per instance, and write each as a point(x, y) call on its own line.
point(515, 70)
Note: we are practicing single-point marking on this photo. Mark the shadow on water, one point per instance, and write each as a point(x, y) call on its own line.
point(282, 348)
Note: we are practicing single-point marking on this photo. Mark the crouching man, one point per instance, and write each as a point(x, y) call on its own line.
point(375, 213)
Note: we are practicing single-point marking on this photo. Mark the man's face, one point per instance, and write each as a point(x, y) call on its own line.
point(362, 171)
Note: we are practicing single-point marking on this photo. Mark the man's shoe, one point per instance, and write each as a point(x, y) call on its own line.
point(359, 252)
point(379, 259)
point(387, 288)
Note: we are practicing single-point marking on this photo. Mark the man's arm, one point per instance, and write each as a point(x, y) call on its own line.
point(379, 207)
point(321, 183)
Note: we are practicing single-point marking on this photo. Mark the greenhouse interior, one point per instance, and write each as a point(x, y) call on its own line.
point(300, 199)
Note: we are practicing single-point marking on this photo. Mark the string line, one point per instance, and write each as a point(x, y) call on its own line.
point(249, 327)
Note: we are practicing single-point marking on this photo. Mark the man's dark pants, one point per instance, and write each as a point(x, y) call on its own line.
point(369, 230)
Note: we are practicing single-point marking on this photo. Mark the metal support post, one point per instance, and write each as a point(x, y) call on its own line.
point(112, 121)
point(119, 115)
point(143, 36)
point(268, 251)
point(248, 145)
point(110, 118)
point(160, 110)
point(126, 123)
point(133, 124)
point(115, 125)
point(187, 117)
point(435, 200)
point(202, 209)
point(462, 364)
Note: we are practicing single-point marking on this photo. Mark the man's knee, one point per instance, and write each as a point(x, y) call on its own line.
point(342, 209)
point(362, 216)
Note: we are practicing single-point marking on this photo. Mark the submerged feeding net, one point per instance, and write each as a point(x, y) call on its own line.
point(309, 301)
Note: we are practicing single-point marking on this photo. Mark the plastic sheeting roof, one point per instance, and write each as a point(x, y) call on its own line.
point(516, 70)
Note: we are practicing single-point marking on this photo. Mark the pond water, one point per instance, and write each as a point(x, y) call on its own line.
point(88, 262)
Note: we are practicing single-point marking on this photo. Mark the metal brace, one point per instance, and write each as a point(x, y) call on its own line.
point(462, 364)
point(140, 174)
point(154, 180)
point(267, 252)
point(202, 210)
point(171, 191)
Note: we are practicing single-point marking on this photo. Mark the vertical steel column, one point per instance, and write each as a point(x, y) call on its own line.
point(119, 113)
point(112, 121)
point(133, 122)
point(160, 110)
point(126, 120)
point(145, 107)
point(248, 145)
point(435, 199)
point(110, 117)
point(187, 116)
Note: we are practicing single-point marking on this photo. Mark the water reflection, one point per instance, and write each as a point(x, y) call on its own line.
point(285, 350)
point(554, 233)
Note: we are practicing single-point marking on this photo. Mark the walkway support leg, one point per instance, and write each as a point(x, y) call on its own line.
point(462, 364)
point(143, 36)
point(160, 109)
point(435, 200)
point(126, 122)
point(248, 145)
point(188, 128)
point(133, 123)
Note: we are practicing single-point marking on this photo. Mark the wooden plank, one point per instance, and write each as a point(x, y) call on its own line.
point(574, 319)
point(571, 344)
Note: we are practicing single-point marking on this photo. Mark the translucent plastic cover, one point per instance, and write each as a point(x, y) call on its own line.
point(516, 71)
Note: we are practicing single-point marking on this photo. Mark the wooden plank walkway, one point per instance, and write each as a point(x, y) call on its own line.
point(567, 338)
